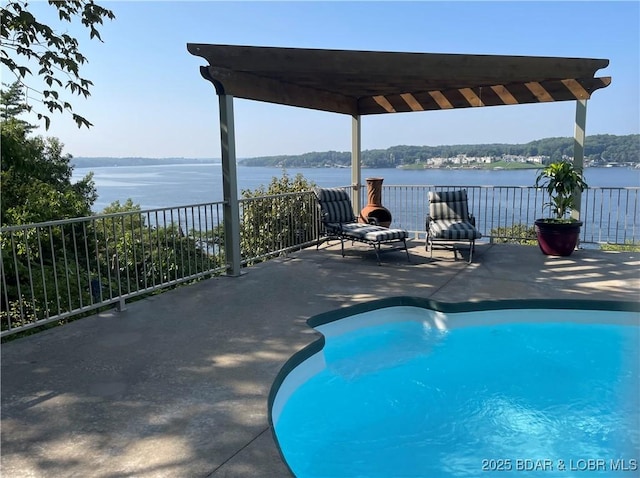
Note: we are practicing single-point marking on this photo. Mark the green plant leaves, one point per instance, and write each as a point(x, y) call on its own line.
point(24, 39)
point(563, 182)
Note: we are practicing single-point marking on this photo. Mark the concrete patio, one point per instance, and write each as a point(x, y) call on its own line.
point(177, 385)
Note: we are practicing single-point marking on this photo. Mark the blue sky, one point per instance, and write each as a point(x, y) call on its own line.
point(149, 99)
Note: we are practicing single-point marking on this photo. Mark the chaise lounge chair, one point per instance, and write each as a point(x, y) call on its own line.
point(339, 222)
point(449, 221)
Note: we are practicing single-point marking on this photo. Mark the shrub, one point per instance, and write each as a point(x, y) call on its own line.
point(628, 246)
point(275, 219)
point(516, 234)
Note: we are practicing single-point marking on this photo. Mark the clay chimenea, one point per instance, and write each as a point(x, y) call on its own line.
point(374, 209)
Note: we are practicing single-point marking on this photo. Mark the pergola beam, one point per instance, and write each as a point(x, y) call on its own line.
point(352, 72)
point(252, 87)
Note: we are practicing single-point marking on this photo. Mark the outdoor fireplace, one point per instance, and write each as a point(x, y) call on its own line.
point(374, 209)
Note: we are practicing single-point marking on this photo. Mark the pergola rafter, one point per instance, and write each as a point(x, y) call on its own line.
point(360, 83)
point(473, 97)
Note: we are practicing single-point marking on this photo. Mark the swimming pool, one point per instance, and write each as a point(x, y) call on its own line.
point(409, 387)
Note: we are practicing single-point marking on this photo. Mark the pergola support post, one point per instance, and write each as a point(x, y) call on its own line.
point(578, 148)
point(231, 207)
point(356, 174)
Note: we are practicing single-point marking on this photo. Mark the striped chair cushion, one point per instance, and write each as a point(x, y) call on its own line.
point(448, 205)
point(335, 205)
point(453, 230)
point(372, 233)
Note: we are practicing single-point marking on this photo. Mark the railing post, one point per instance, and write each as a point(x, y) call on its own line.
point(122, 305)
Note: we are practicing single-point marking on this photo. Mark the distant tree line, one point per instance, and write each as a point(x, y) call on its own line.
point(600, 149)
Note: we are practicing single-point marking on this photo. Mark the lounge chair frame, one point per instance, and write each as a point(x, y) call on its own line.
point(339, 222)
point(449, 222)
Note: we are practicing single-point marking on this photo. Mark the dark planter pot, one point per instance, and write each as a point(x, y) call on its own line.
point(557, 239)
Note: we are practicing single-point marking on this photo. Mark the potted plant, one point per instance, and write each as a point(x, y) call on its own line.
point(558, 235)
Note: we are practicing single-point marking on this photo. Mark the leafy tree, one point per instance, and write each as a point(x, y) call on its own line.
point(62, 268)
point(26, 42)
point(55, 269)
point(36, 187)
point(278, 217)
point(138, 255)
point(36, 175)
point(13, 105)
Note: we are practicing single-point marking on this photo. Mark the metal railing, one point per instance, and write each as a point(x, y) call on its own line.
point(275, 224)
point(609, 215)
point(60, 269)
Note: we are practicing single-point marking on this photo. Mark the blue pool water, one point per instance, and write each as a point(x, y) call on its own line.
point(399, 392)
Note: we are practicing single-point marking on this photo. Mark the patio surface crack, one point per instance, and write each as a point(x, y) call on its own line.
point(237, 453)
point(453, 277)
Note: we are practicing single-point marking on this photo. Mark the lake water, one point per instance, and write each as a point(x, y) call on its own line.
point(181, 184)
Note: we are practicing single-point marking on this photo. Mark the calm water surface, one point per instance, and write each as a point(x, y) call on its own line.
point(178, 185)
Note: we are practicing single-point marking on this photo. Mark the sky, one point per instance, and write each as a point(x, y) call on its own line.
point(149, 100)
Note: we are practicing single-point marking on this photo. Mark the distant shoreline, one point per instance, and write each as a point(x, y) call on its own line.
point(88, 163)
point(83, 162)
point(602, 150)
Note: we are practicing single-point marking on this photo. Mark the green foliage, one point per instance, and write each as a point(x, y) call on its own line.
point(36, 187)
point(563, 182)
point(19, 312)
point(47, 276)
point(516, 234)
point(36, 179)
point(55, 269)
point(13, 105)
point(139, 256)
point(628, 246)
point(59, 268)
point(306, 160)
point(277, 217)
point(26, 42)
point(66, 267)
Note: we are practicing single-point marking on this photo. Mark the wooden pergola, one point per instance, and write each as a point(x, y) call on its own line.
point(360, 83)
